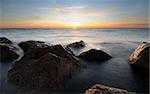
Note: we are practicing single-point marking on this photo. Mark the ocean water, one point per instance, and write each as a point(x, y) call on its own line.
point(71, 35)
point(116, 72)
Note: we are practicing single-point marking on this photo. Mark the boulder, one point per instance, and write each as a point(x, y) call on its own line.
point(101, 89)
point(6, 54)
point(38, 51)
point(43, 67)
point(77, 45)
point(140, 57)
point(95, 55)
point(27, 44)
point(5, 40)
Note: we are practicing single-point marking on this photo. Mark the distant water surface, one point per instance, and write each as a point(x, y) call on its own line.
point(71, 35)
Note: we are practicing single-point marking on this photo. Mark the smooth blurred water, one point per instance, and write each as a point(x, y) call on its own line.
point(116, 72)
point(71, 35)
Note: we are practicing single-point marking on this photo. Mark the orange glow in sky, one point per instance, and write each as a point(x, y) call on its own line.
point(74, 14)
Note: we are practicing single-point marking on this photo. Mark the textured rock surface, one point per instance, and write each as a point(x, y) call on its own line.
point(140, 57)
point(101, 89)
point(27, 44)
point(95, 55)
point(43, 66)
point(75, 46)
point(5, 40)
point(78, 45)
point(6, 54)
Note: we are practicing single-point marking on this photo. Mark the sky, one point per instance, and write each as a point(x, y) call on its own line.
point(74, 13)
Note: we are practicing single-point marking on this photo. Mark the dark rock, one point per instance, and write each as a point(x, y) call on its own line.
point(101, 89)
point(6, 54)
point(140, 57)
point(27, 44)
point(36, 52)
point(5, 40)
point(77, 45)
point(41, 67)
point(95, 55)
point(69, 50)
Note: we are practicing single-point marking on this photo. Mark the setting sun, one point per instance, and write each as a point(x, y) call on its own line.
point(74, 27)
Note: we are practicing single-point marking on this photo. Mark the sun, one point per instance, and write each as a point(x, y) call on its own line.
point(74, 27)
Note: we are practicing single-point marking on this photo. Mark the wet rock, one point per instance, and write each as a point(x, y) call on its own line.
point(77, 45)
point(140, 57)
point(101, 89)
point(6, 54)
point(69, 50)
point(95, 55)
point(36, 52)
point(43, 67)
point(27, 44)
point(5, 40)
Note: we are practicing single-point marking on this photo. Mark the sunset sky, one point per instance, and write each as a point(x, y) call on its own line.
point(74, 13)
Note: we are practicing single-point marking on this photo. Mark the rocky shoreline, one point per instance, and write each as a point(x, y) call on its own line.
point(50, 66)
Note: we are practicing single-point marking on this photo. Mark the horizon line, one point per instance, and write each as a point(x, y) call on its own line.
point(78, 28)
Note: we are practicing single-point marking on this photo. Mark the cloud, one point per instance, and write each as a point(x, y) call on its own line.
point(76, 7)
point(64, 9)
point(87, 14)
point(74, 11)
point(60, 10)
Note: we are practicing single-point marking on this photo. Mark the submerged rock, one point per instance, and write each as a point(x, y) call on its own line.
point(95, 55)
point(101, 89)
point(27, 44)
point(77, 45)
point(5, 40)
point(6, 54)
point(43, 67)
point(140, 57)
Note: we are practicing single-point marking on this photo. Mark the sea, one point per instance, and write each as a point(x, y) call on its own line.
point(71, 35)
point(116, 72)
